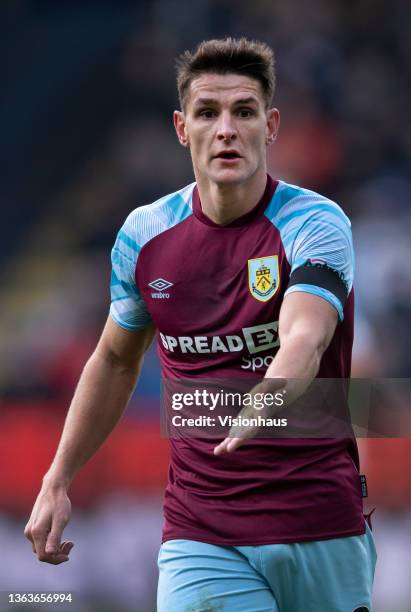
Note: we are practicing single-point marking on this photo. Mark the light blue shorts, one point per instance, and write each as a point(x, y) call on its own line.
point(323, 576)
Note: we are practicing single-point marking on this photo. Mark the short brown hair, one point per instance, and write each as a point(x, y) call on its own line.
point(227, 55)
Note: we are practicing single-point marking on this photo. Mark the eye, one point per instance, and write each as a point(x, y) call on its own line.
point(245, 113)
point(207, 113)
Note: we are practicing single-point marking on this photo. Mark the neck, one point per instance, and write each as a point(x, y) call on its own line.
point(224, 203)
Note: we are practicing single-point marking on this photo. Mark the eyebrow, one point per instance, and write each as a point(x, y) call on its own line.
point(249, 100)
point(210, 101)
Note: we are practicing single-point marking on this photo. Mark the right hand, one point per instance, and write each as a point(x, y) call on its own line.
point(50, 515)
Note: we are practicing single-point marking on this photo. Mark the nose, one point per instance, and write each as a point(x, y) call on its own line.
point(226, 128)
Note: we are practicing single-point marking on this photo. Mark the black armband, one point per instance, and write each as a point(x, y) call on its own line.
point(321, 275)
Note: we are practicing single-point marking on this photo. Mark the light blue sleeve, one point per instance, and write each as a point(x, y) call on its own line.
point(324, 239)
point(316, 231)
point(128, 309)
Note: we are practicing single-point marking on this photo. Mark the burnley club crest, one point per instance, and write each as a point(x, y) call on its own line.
point(263, 277)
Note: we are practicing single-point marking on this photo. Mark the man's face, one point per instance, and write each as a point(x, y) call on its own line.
point(227, 127)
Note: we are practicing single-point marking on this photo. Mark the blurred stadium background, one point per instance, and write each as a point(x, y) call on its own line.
point(86, 135)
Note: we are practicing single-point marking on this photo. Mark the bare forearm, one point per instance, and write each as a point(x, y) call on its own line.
point(297, 357)
point(297, 361)
point(99, 401)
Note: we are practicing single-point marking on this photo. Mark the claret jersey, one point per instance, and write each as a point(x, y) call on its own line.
point(214, 294)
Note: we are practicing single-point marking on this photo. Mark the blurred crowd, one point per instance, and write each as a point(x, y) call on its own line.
point(87, 136)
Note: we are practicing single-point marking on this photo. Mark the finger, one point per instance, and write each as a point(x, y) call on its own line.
point(54, 538)
point(222, 447)
point(229, 445)
point(238, 436)
point(54, 559)
point(66, 547)
point(59, 557)
point(225, 446)
point(39, 541)
point(235, 443)
point(27, 533)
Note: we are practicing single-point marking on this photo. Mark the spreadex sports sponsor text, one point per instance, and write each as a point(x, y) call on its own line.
point(256, 339)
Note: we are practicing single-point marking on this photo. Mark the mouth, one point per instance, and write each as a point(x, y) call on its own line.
point(228, 155)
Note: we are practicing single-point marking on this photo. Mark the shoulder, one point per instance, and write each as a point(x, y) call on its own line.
point(146, 222)
point(293, 206)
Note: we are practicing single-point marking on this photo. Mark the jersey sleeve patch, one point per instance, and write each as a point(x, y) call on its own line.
point(321, 276)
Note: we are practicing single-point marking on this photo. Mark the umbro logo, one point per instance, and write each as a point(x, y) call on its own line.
point(160, 285)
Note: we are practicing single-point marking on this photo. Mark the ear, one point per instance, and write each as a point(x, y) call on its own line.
point(273, 124)
point(180, 127)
